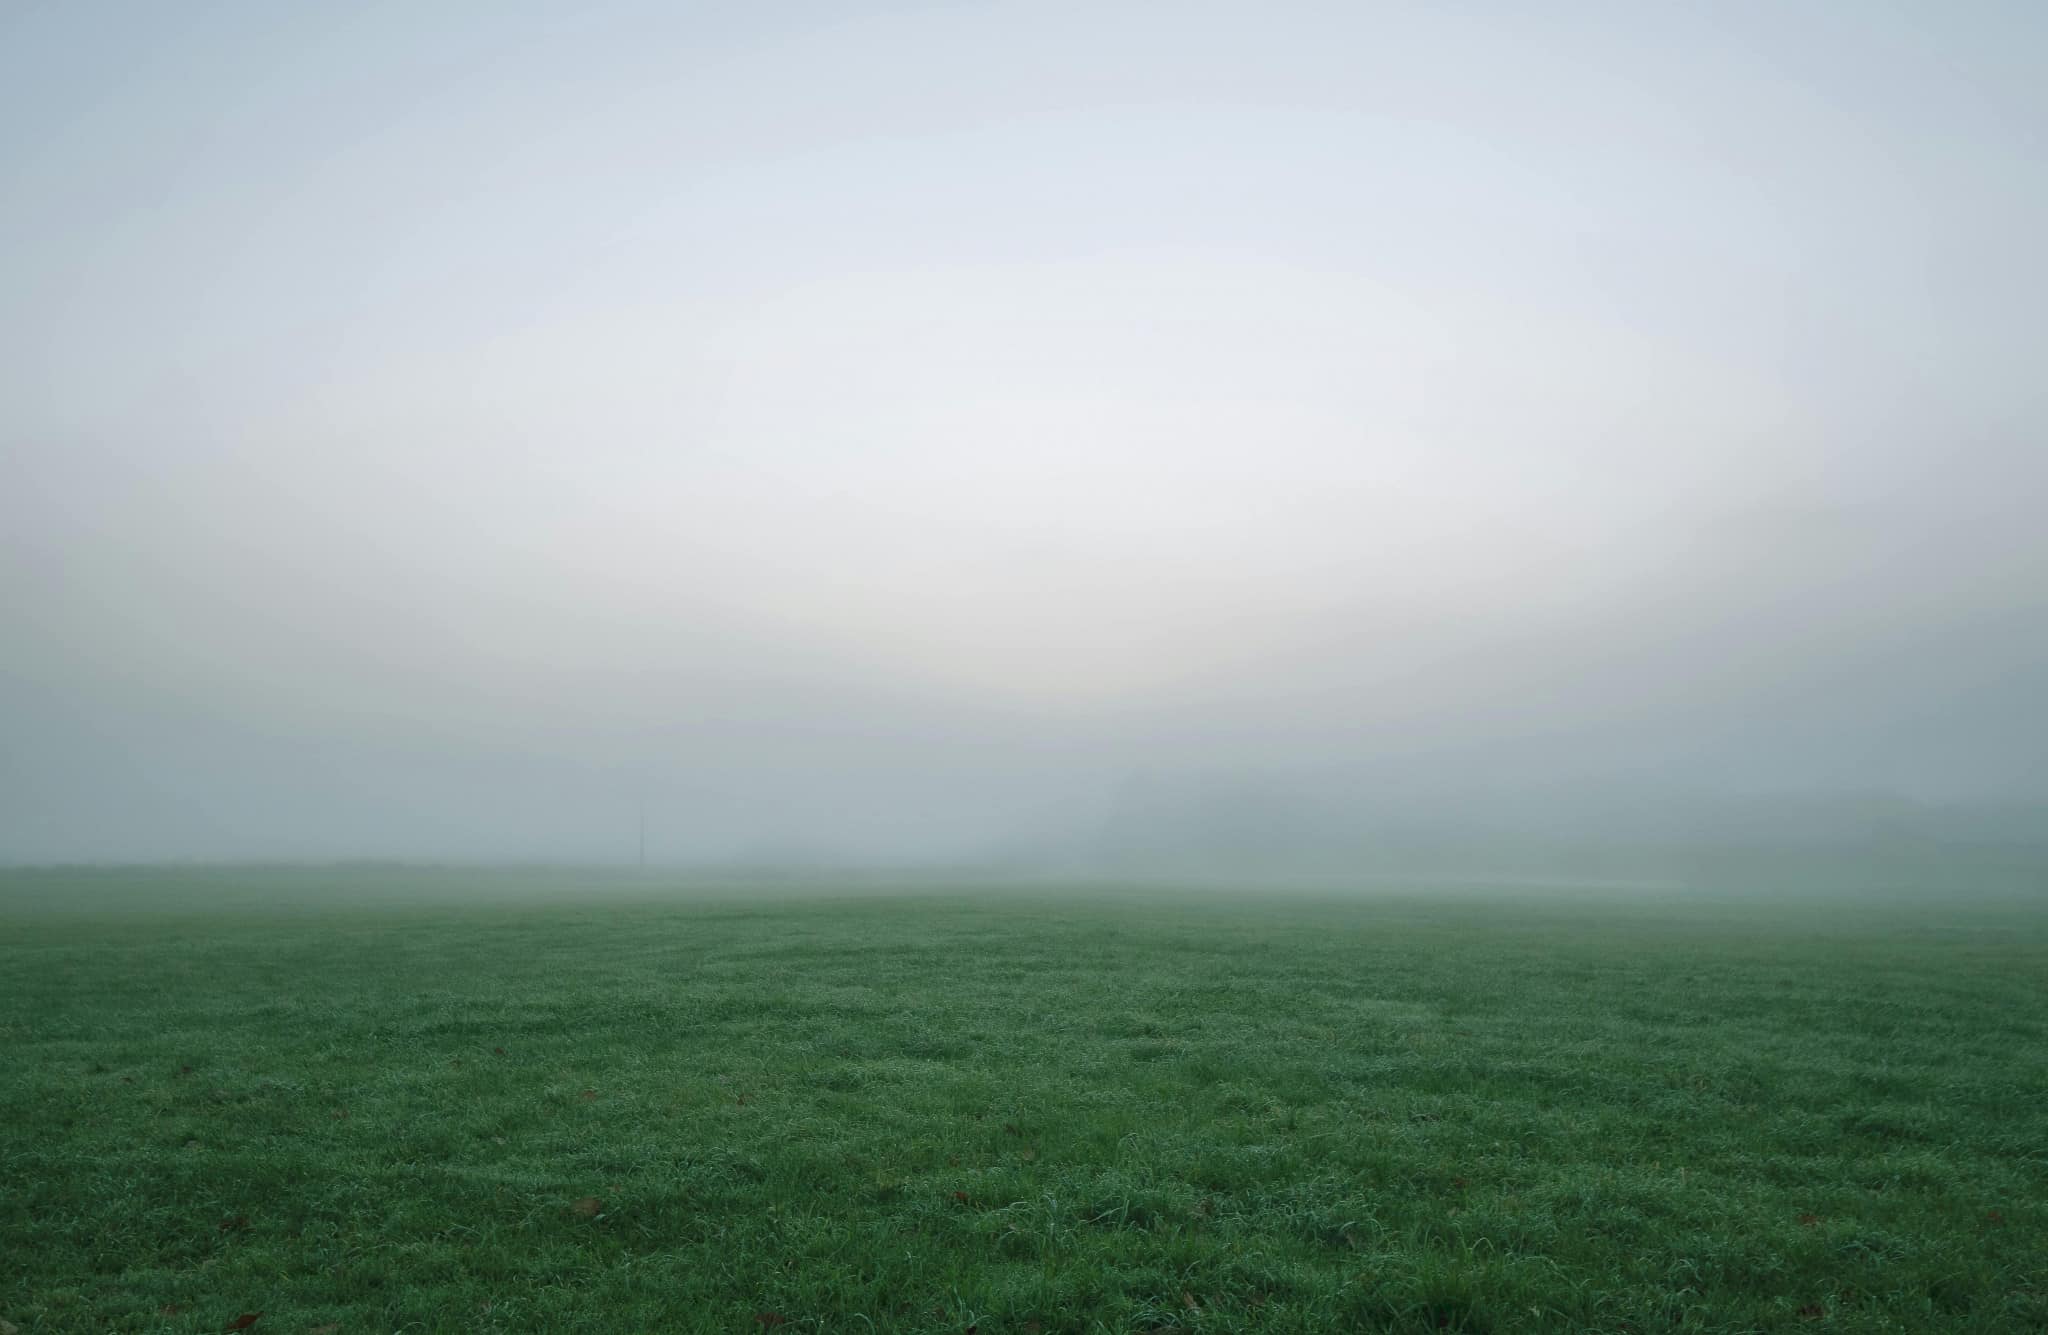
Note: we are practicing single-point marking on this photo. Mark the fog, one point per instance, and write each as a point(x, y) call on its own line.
point(1104, 436)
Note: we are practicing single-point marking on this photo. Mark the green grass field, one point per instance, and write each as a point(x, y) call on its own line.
point(383, 1101)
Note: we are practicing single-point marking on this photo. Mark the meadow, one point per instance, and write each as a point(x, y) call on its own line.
point(385, 1100)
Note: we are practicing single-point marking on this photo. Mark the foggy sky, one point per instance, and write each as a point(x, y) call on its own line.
point(880, 431)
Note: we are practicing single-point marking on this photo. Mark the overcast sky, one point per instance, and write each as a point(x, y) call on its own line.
point(881, 430)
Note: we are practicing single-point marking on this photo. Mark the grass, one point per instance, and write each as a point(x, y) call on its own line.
point(382, 1101)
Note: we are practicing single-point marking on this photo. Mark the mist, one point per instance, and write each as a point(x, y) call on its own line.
point(1101, 438)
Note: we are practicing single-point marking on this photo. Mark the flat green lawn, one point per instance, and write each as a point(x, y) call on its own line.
point(383, 1101)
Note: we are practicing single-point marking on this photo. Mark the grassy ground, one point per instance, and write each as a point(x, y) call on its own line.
point(1012, 1112)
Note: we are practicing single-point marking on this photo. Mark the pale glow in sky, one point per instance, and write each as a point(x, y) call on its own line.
point(899, 428)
